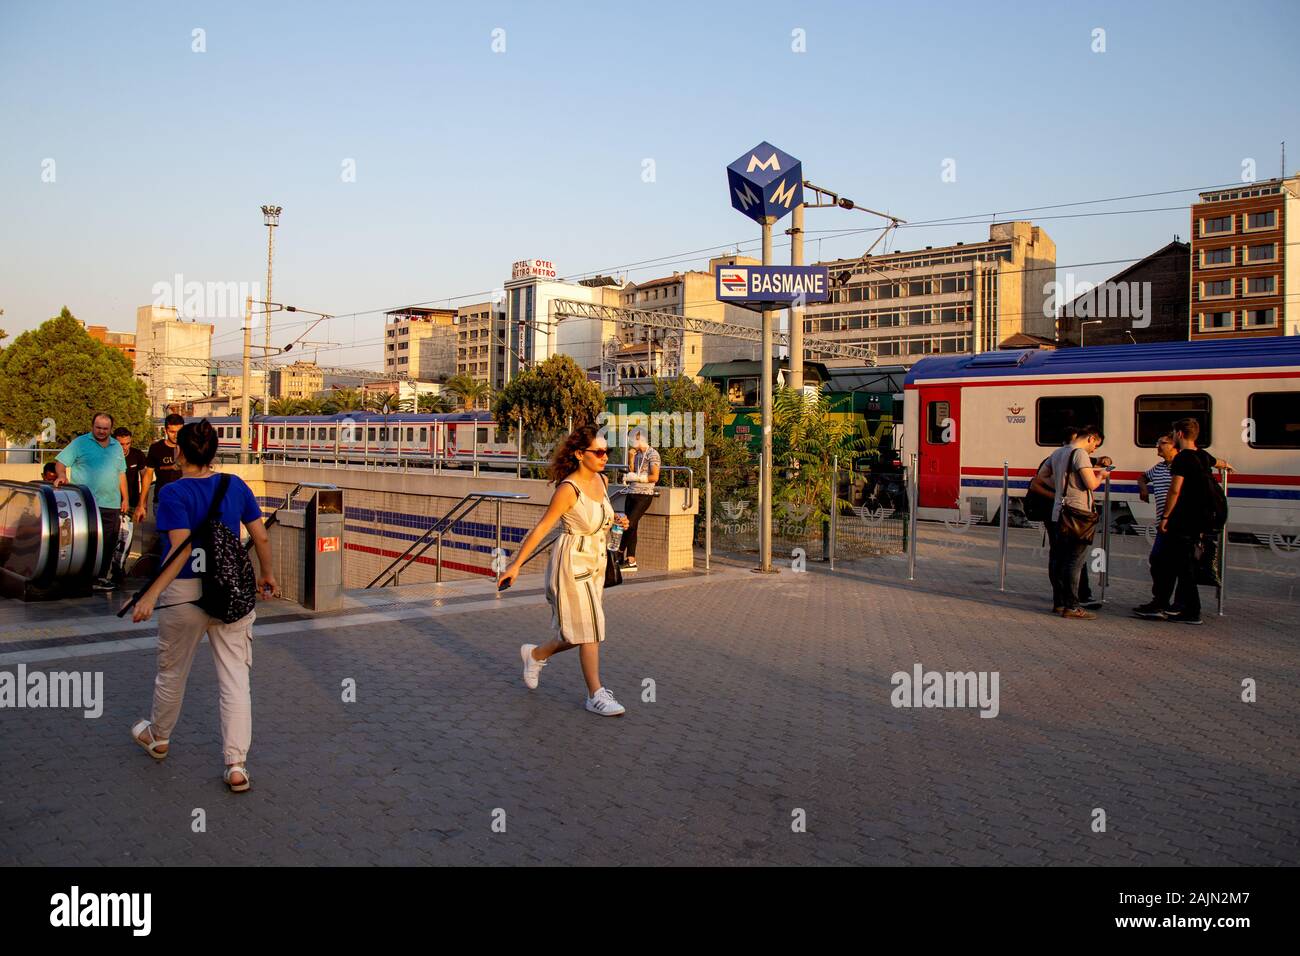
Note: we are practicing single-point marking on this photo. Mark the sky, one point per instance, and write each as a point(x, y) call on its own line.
point(418, 149)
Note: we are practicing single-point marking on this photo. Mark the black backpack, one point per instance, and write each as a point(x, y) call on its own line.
point(229, 583)
point(1216, 502)
point(1038, 507)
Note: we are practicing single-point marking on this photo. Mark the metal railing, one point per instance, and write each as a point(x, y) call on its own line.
point(434, 535)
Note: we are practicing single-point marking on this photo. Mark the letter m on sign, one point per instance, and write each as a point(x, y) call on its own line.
point(753, 183)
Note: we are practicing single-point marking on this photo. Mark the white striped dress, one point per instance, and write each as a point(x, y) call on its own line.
point(575, 574)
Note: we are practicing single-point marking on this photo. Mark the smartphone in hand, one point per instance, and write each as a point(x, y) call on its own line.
point(504, 585)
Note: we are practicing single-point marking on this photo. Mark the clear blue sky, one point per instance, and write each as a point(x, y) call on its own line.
point(467, 160)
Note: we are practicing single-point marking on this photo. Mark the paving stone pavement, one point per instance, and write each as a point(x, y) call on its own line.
point(772, 695)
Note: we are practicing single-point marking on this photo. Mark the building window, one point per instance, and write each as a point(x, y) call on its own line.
point(1259, 318)
point(1217, 257)
point(918, 346)
point(919, 287)
point(1261, 285)
point(1218, 289)
point(1216, 226)
point(1262, 220)
point(1267, 252)
point(1277, 419)
point(1216, 321)
point(1154, 415)
point(1054, 414)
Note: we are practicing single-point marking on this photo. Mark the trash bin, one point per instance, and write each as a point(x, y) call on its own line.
point(309, 550)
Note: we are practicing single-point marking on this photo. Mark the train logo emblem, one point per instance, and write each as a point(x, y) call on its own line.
point(1017, 416)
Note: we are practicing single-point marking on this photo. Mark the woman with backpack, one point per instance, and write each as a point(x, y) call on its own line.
point(201, 592)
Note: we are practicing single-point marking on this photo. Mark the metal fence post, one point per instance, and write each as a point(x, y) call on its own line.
point(496, 555)
point(1002, 525)
point(1105, 539)
point(519, 450)
point(1223, 550)
point(708, 513)
point(835, 503)
point(475, 450)
point(911, 520)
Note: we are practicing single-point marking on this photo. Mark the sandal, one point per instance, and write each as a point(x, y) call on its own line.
point(237, 787)
point(150, 748)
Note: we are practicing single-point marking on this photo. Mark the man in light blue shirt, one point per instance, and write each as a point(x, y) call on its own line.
point(96, 461)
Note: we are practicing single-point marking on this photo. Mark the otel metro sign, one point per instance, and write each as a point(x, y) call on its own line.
point(765, 183)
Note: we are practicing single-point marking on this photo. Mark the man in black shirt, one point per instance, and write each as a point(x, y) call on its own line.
point(161, 468)
point(135, 464)
point(1186, 518)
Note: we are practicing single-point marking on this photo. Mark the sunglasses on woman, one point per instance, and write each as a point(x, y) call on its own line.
point(601, 452)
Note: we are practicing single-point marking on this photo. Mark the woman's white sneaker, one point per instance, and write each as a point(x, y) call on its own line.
point(532, 668)
point(602, 702)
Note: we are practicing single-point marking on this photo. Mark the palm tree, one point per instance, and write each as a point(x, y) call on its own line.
point(285, 406)
point(469, 390)
point(344, 400)
point(435, 404)
point(386, 403)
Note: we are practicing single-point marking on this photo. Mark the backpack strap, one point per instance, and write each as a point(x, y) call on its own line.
point(218, 497)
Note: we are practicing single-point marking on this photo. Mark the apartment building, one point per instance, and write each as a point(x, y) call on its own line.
point(420, 343)
point(1242, 270)
point(481, 342)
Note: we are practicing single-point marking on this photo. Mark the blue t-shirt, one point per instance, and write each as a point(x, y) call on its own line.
point(184, 503)
point(91, 464)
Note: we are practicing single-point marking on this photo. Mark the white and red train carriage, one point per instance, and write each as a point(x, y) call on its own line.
point(965, 415)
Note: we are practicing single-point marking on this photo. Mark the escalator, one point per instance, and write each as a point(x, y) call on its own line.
point(50, 540)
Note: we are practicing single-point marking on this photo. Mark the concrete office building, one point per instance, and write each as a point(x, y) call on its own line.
point(161, 334)
point(1243, 261)
point(481, 342)
point(299, 380)
point(968, 297)
point(638, 353)
point(532, 328)
point(420, 343)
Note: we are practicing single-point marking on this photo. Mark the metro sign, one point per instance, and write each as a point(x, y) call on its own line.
point(765, 183)
point(773, 285)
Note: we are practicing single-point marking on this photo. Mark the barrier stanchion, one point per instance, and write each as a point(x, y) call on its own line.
point(835, 504)
point(911, 520)
point(1223, 549)
point(1002, 526)
point(1105, 538)
point(708, 513)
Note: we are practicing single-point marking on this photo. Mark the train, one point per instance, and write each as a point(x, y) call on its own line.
point(449, 439)
point(963, 416)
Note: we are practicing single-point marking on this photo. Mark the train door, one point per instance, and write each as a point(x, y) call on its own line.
point(939, 447)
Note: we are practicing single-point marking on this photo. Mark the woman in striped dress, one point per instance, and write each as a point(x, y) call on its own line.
point(575, 575)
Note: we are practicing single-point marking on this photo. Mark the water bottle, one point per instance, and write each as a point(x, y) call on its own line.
point(616, 534)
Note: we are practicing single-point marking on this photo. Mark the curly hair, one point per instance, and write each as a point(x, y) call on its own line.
point(563, 462)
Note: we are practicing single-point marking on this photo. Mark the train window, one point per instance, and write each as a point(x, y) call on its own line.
point(1154, 415)
point(938, 423)
point(302, 434)
point(1054, 414)
point(383, 433)
point(482, 436)
point(424, 435)
point(410, 434)
point(1276, 419)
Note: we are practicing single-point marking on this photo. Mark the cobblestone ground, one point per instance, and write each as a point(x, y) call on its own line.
point(771, 704)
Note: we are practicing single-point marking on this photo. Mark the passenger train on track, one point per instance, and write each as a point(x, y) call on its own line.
point(449, 439)
point(965, 415)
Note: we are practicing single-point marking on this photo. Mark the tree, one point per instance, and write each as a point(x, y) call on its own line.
point(806, 439)
point(343, 400)
point(469, 390)
point(386, 403)
point(434, 404)
point(286, 406)
point(729, 460)
point(58, 372)
point(547, 396)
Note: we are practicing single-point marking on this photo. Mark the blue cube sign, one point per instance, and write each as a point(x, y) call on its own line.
point(765, 183)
